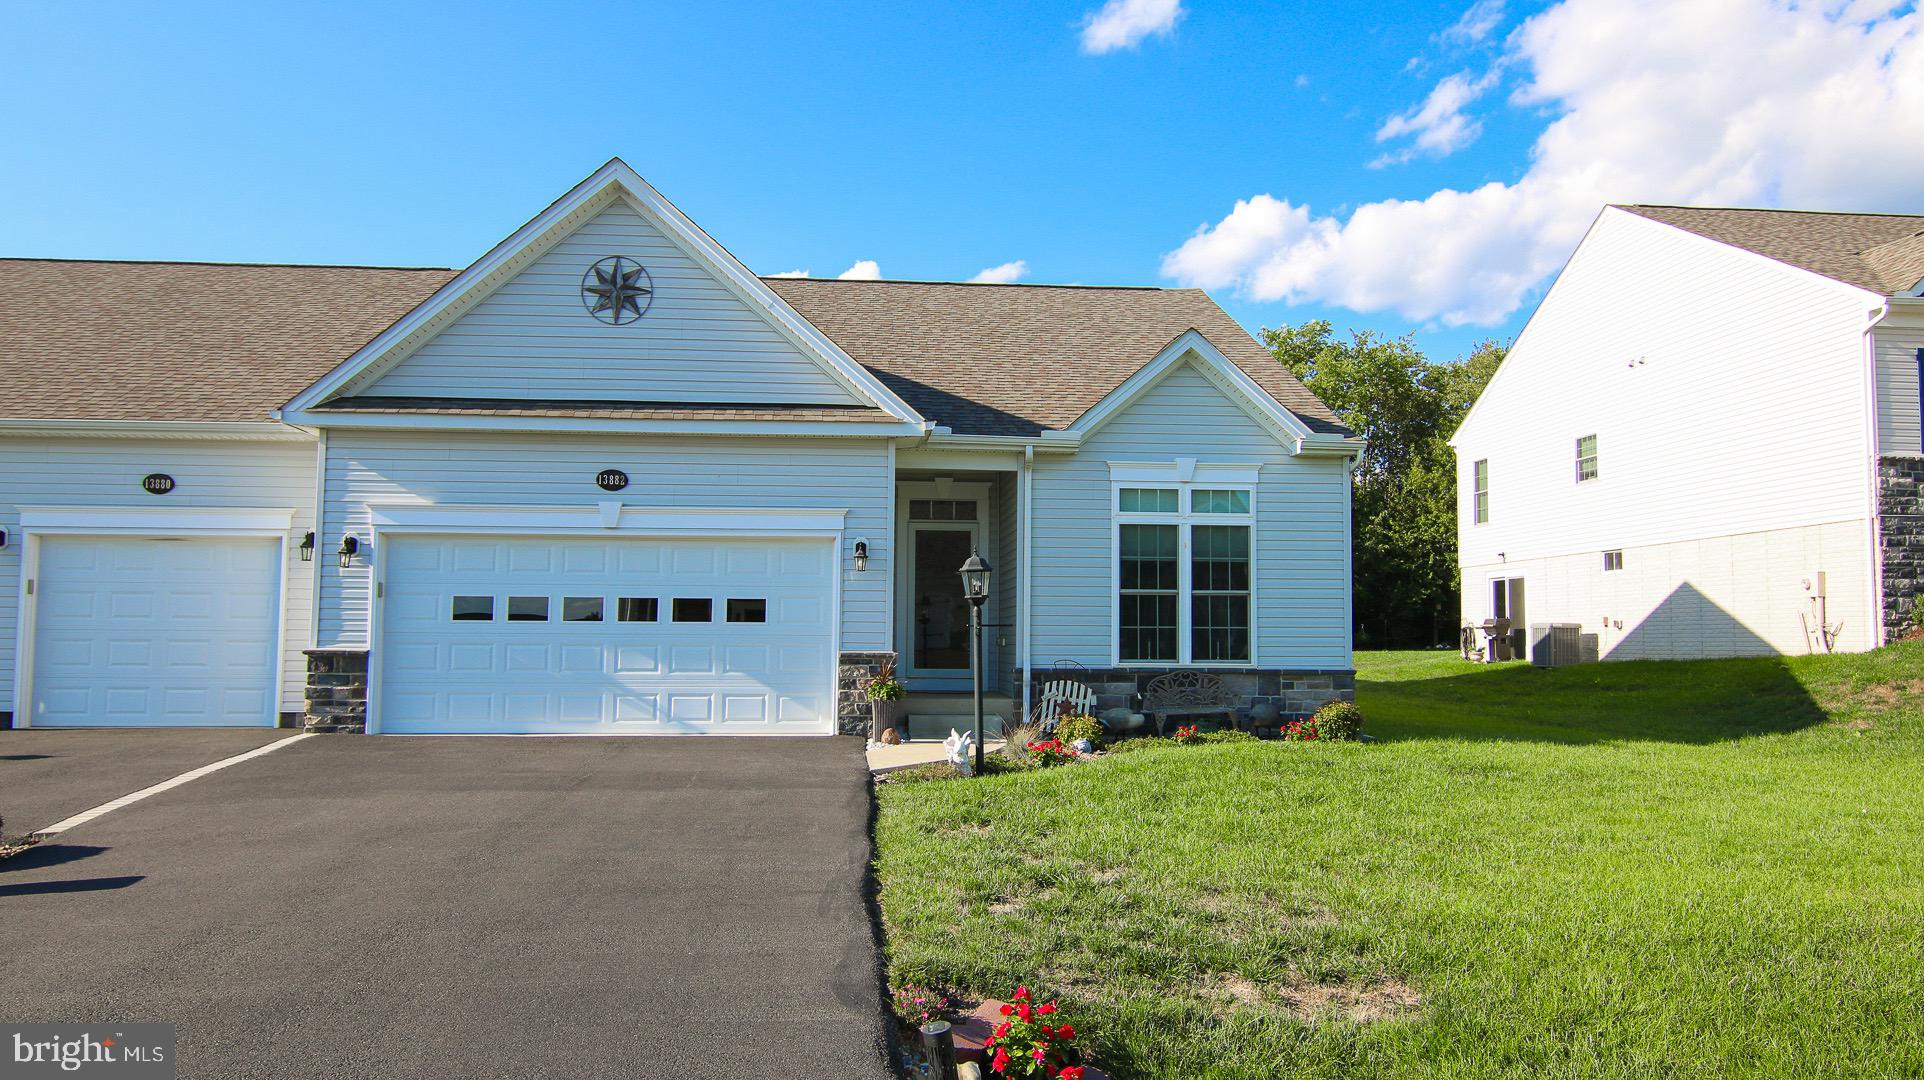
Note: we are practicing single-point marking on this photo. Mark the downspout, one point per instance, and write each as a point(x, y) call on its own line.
point(1875, 522)
point(320, 504)
point(1026, 543)
point(1349, 566)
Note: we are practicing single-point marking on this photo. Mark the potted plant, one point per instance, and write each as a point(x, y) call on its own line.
point(885, 695)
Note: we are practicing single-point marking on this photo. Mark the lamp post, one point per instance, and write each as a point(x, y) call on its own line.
point(975, 586)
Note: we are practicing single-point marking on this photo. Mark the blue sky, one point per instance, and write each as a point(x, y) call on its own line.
point(937, 140)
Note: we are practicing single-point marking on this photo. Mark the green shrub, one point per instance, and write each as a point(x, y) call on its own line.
point(1339, 720)
point(1209, 738)
point(1146, 742)
point(1073, 727)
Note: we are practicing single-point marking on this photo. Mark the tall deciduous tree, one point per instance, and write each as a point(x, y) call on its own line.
point(1405, 407)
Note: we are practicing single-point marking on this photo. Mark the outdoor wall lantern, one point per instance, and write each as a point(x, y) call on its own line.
point(307, 548)
point(3, 538)
point(349, 546)
point(975, 586)
point(861, 555)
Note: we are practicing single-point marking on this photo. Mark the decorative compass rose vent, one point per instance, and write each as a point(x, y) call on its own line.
point(617, 290)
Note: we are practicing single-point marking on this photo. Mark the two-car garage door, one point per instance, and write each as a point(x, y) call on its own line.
point(606, 636)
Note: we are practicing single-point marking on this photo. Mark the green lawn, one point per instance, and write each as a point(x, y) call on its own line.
point(1637, 869)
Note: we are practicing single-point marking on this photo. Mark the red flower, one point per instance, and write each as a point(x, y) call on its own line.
point(1073, 1072)
point(1003, 1031)
point(1045, 1008)
point(1039, 1056)
point(1001, 1061)
point(1021, 993)
point(1008, 1010)
point(1025, 1012)
point(1065, 1033)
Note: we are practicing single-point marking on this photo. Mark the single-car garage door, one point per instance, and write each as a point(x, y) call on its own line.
point(144, 631)
point(607, 636)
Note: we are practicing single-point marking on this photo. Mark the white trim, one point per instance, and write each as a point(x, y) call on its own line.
point(1203, 474)
point(613, 180)
point(731, 524)
point(1208, 477)
point(784, 429)
point(157, 521)
point(1026, 541)
point(1191, 347)
point(85, 816)
point(643, 520)
point(247, 431)
point(39, 521)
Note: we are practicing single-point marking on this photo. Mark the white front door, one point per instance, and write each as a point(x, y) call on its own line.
point(488, 634)
point(143, 631)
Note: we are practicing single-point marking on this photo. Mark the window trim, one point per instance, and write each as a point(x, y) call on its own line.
point(1595, 459)
point(1480, 496)
point(1198, 476)
point(1607, 568)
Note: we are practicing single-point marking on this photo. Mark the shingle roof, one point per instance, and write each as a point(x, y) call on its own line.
point(1880, 252)
point(219, 341)
point(1016, 359)
point(184, 341)
point(608, 410)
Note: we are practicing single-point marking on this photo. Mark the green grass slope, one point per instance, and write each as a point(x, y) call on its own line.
point(1642, 869)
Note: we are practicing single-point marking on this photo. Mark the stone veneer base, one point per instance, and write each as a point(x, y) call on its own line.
point(336, 690)
point(1900, 540)
point(1296, 693)
point(853, 670)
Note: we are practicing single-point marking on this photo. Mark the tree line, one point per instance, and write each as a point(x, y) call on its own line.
point(1405, 406)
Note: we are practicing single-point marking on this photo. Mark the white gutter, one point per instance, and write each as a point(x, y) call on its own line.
point(153, 429)
point(1061, 441)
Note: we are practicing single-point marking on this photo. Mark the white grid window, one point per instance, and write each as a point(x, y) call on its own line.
point(1586, 458)
point(1480, 491)
point(1184, 566)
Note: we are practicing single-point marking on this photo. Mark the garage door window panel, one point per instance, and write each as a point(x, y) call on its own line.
point(527, 609)
point(472, 609)
point(638, 609)
point(747, 611)
point(694, 609)
point(581, 609)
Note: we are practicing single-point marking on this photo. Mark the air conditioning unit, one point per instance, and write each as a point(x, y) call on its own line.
point(1556, 644)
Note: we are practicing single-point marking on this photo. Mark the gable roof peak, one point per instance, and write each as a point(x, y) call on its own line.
point(1874, 252)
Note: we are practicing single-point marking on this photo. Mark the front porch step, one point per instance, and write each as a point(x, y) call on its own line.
point(934, 715)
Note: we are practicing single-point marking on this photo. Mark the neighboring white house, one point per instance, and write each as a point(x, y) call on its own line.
point(606, 480)
point(1706, 440)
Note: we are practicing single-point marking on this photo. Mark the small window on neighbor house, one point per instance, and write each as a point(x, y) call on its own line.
point(1586, 458)
point(472, 609)
point(527, 609)
point(747, 611)
point(694, 609)
point(581, 609)
point(1612, 560)
point(1480, 491)
point(1227, 501)
point(1147, 501)
point(637, 609)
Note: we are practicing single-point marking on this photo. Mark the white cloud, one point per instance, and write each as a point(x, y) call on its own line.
point(1122, 24)
point(791, 273)
point(1439, 126)
point(863, 270)
point(1711, 102)
point(1474, 25)
point(1004, 274)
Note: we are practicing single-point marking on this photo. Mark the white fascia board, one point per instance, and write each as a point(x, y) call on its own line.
point(1187, 471)
point(1048, 441)
point(171, 520)
point(606, 517)
point(154, 429)
point(1192, 346)
point(1902, 311)
point(616, 426)
point(613, 180)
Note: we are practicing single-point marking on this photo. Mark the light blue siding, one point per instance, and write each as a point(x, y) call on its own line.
point(482, 469)
point(533, 338)
point(1301, 533)
point(98, 473)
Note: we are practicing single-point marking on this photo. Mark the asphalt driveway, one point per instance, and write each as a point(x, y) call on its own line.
point(47, 774)
point(370, 907)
